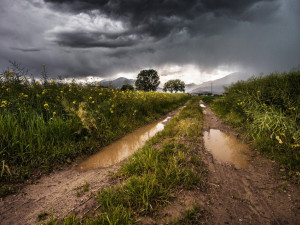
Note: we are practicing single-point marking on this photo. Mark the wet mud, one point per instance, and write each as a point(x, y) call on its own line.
point(123, 148)
point(226, 148)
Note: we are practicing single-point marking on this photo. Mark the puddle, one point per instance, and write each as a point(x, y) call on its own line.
point(226, 148)
point(203, 106)
point(122, 148)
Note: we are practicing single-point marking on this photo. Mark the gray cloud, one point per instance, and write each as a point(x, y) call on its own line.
point(27, 49)
point(156, 19)
point(104, 37)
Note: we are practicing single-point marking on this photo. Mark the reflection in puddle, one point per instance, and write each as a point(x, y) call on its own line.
point(203, 106)
point(226, 148)
point(121, 149)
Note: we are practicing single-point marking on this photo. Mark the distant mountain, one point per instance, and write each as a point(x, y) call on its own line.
point(117, 83)
point(190, 87)
point(217, 86)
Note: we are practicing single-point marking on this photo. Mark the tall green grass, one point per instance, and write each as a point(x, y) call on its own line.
point(267, 108)
point(48, 123)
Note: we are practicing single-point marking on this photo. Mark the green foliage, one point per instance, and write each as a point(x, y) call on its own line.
point(193, 216)
point(147, 80)
point(267, 108)
point(42, 216)
point(174, 85)
point(208, 99)
point(49, 123)
point(126, 87)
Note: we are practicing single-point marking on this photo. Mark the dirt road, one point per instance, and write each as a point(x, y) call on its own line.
point(255, 195)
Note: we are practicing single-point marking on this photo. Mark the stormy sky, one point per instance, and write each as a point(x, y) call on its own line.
point(193, 40)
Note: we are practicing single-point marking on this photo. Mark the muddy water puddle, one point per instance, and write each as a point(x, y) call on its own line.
point(226, 148)
point(122, 148)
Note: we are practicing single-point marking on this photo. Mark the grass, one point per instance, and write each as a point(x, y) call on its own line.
point(45, 124)
point(42, 216)
point(267, 110)
point(150, 179)
point(82, 189)
point(193, 216)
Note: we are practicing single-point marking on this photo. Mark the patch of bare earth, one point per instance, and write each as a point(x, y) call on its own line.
point(61, 192)
point(255, 195)
point(57, 191)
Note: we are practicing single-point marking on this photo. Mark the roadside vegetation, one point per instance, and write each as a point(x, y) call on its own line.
point(169, 162)
point(48, 123)
point(267, 110)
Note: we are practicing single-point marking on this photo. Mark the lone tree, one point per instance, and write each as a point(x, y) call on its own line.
point(147, 80)
point(174, 85)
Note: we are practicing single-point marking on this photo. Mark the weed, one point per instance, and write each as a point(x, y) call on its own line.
point(42, 216)
point(196, 215)
point(82, 189)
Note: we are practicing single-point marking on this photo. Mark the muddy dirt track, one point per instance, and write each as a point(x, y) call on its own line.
point(255, 195)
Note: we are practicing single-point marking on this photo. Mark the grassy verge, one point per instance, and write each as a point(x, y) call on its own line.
point(47, 124)
point(168, 162)
point(267, 110)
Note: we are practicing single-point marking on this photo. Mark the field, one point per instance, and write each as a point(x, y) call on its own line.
point(45, 124)
point(267, 110)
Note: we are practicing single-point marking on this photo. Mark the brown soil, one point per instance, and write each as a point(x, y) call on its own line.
point(255, 195)
point(60, 192)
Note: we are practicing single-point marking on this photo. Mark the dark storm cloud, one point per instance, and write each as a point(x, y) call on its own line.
point(156, 19)
point(93, 39)
point(105, 37)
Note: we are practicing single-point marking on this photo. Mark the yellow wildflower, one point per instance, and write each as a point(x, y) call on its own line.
point(4, 103)
point(74, 102)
